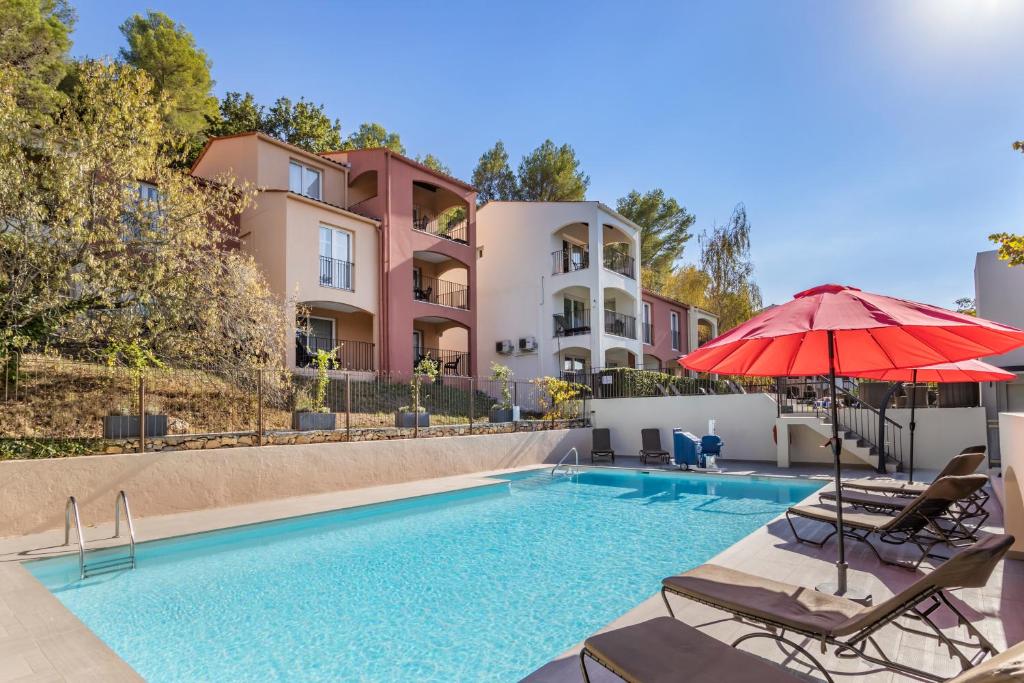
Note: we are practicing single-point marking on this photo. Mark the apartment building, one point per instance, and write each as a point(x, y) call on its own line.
point(670, 329)
point(377, 248)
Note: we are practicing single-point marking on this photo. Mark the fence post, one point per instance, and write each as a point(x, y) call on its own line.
point(472, 404)
point(416, 406)
point(259, 407)
point(142, 413)
point(348, 406)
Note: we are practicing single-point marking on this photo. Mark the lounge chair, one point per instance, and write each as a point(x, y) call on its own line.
point(832, 620)
point(601, 446)
point(664, 650)
point(917, 524)
point(966, 462)
point(650, 439)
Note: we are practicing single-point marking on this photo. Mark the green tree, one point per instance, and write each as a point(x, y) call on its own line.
point(666, 228)
point(1011, 246)
point(303, 124)
point(88, 259)
point(374, 136)
point(34, 39)
point(433, 163)
point(167, 52)
point(238, 113)
point(688, 283)
point(731, 292)
point(552, 174)
point(493, 177)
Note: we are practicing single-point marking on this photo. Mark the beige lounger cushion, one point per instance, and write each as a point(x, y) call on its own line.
point(781, 603)
point(888, 485)
point(827, 513)
point(869, 499)
point(664, 650)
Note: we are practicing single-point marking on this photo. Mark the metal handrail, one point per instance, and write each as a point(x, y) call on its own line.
point(564, 457)
point(72, 504)
point(123, 498)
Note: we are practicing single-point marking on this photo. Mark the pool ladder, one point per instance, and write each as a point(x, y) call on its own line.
point(567, 469)
point(107, 565)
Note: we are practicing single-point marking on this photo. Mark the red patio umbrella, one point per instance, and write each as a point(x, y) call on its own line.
point(836, 329)
point(964, 371)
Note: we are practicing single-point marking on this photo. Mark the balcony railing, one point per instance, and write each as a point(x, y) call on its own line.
point(440, 292)
point(350, 355)
point(452, 362)
point(620, 324)
point(568, 260)
point(621, 263)
point(451, 225)
point(337, 273)
point(571, 325)
point(648, 332)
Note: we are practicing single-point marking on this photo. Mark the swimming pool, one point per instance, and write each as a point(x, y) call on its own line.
point(482, 584)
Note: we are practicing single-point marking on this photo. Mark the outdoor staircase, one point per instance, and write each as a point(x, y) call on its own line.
point(853, 443)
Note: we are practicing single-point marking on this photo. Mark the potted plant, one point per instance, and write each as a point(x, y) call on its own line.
point(503, 411)
point(416, 413)
point(123, 421)
point(315, 415)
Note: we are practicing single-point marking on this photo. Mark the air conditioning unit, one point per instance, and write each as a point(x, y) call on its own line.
point(504, 347)
point(527, 344)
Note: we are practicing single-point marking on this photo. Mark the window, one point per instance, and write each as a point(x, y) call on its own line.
point(574, 364)
point(575, 313)
point(648, 330)
point(314, 334)
point(335, 258)
point(417, 347)
point(673, 320)
point(303, 180)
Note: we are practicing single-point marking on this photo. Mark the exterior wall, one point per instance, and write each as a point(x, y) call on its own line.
point(393, 203)
point(661, 346)
point(744, 421)
point(522, 294)
point(1011, 437)
point(164, 483)
point(997, 289)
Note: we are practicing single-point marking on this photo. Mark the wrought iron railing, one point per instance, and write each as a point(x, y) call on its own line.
point(451, 225)
point(349, 355)
point(440, 292)
point(621, 263)
point(569, 260)
point(620, 324)
point(572, 325)
point(452, 362)
point(337, 273)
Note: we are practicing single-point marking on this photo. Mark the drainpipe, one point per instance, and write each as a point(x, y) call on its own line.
point(385, 277)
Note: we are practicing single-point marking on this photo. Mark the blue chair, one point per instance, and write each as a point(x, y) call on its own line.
point(711, 445)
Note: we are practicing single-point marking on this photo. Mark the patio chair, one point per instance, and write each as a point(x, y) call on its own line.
point(1006, 667)
point(452, 366)
point(965, 462)
point(846, 625)
point(917, 524)
point(650, 439)
point(601, 446)
point(660, 650)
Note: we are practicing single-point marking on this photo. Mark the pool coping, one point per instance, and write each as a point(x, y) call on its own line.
point(40, 638)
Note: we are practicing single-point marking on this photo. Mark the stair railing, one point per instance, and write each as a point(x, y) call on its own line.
point(868, 423)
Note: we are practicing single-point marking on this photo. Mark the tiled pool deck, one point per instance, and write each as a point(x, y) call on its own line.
point(41, 641)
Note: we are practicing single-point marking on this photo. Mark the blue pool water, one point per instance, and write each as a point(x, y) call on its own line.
point(479, 585)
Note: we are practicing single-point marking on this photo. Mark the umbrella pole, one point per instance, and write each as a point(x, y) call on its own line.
point(913, 425)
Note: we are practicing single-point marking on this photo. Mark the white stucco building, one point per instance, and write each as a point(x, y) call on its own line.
point(998, 290)
point(558, 287)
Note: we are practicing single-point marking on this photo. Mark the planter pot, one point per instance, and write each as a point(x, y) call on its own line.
point(504, 414)
point(408, 420)
point(127, 426)
point(309, 422)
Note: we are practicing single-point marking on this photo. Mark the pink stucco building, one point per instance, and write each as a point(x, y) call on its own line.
point(670, 329)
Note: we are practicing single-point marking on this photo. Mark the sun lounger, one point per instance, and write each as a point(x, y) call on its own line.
point(846, 625)
point(1006, 667)
point(651, 441)
point(601, 446)
point(664, 650)
point(918, 523)
point(966, 462)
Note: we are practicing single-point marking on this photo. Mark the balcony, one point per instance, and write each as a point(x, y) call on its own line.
point(569, 260)
point(336, 274)
point(570, 326)
point(620, 263)
point(452, 362)
point(648, 332)
point(620, 324)
point(350, 355)
point(450, 224)
point(441, 292)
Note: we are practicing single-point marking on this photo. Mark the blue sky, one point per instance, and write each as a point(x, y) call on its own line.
point(869, 140)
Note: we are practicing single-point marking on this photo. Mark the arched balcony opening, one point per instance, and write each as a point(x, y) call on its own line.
point(439, 211)
point(706, 330)
point(619, 251)
point(443, 340)
point(571, 245)
point(362, 189)
point(618, 357)
point(619, 308)
point(572, 311)
point(345, 330)
point(574, 363)
point(652, 362)
point(440, 279)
